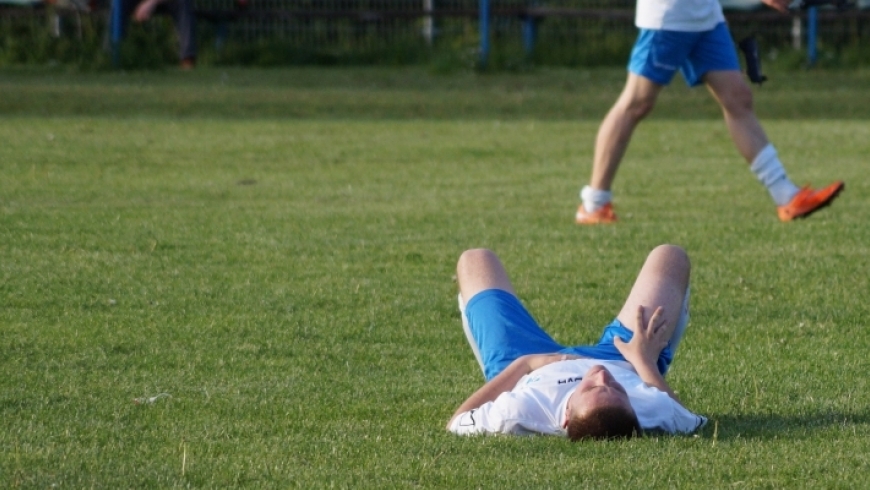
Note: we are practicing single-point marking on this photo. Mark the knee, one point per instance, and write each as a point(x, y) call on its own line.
point(737, 101)
point(637, 108)
point(641, 108)
point(675, 256)
point(636, 104)
point(473, 258)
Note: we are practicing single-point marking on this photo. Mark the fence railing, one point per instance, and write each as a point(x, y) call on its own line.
point(553, 32)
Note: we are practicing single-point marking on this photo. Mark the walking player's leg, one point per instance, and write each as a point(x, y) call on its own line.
point(614, 134)
point(653, 63)
point(735, 98)
point(715, 63)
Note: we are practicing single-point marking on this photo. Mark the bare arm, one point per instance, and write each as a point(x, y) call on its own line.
point(507, 379)
point(644, 348)
point(780, 5)
point(145, 9)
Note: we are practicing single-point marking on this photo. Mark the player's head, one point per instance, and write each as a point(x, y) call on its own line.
point(599, 408)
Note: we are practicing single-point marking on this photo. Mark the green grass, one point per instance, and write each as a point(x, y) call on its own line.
point(275, 250)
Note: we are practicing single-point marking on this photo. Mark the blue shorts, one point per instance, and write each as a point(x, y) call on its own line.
point(504, 330)
point(658, 54)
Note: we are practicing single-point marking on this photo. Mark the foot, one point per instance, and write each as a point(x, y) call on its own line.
point(601, 215)
point(187, 64)
point(807, 201)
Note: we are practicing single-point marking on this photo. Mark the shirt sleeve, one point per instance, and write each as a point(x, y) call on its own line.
point(474, 421)
point(684, 421)
point(510, 413)
point(656, 411)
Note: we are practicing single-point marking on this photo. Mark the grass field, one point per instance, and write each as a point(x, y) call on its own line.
point(275, 251)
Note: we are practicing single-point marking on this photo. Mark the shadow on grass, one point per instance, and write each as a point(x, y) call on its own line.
point(774, 426)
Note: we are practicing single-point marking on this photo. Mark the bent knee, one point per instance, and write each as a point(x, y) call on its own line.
point(640, 109)
point(637, 108)
point(476, 254)
point(672, 254)
point(472, 258)
point(670, 249)
point(738, 100)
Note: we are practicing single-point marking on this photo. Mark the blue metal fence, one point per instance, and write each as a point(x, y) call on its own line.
point(554, 32)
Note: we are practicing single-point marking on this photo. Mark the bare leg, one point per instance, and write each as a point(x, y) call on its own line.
point(185, 28)
point(662, 281)
point(636, 101)
point(480, 269)
point(735, 98)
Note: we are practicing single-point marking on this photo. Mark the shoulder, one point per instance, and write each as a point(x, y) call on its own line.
point(656, 411)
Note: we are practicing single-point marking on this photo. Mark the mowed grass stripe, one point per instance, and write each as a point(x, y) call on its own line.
point(289, 284)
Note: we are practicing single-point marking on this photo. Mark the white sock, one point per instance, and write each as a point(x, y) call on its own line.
point(768, 170)
point(594, 199)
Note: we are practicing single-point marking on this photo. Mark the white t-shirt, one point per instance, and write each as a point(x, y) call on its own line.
point(678, 15)
point(536, 405)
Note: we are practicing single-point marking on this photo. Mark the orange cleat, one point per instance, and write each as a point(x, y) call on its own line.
point(807, 201)
point(602, 215)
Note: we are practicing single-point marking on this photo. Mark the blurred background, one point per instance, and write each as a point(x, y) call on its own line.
point(446, 34)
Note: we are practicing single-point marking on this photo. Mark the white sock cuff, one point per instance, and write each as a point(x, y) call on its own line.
point(767, 167)
point(769, 171)
point(593, 199)
point(764, 156)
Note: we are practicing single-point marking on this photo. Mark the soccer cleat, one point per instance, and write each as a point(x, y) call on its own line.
point(807, 201)
point(602, 215)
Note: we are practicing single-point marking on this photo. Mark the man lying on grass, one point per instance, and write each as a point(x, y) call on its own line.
point(610, 390)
